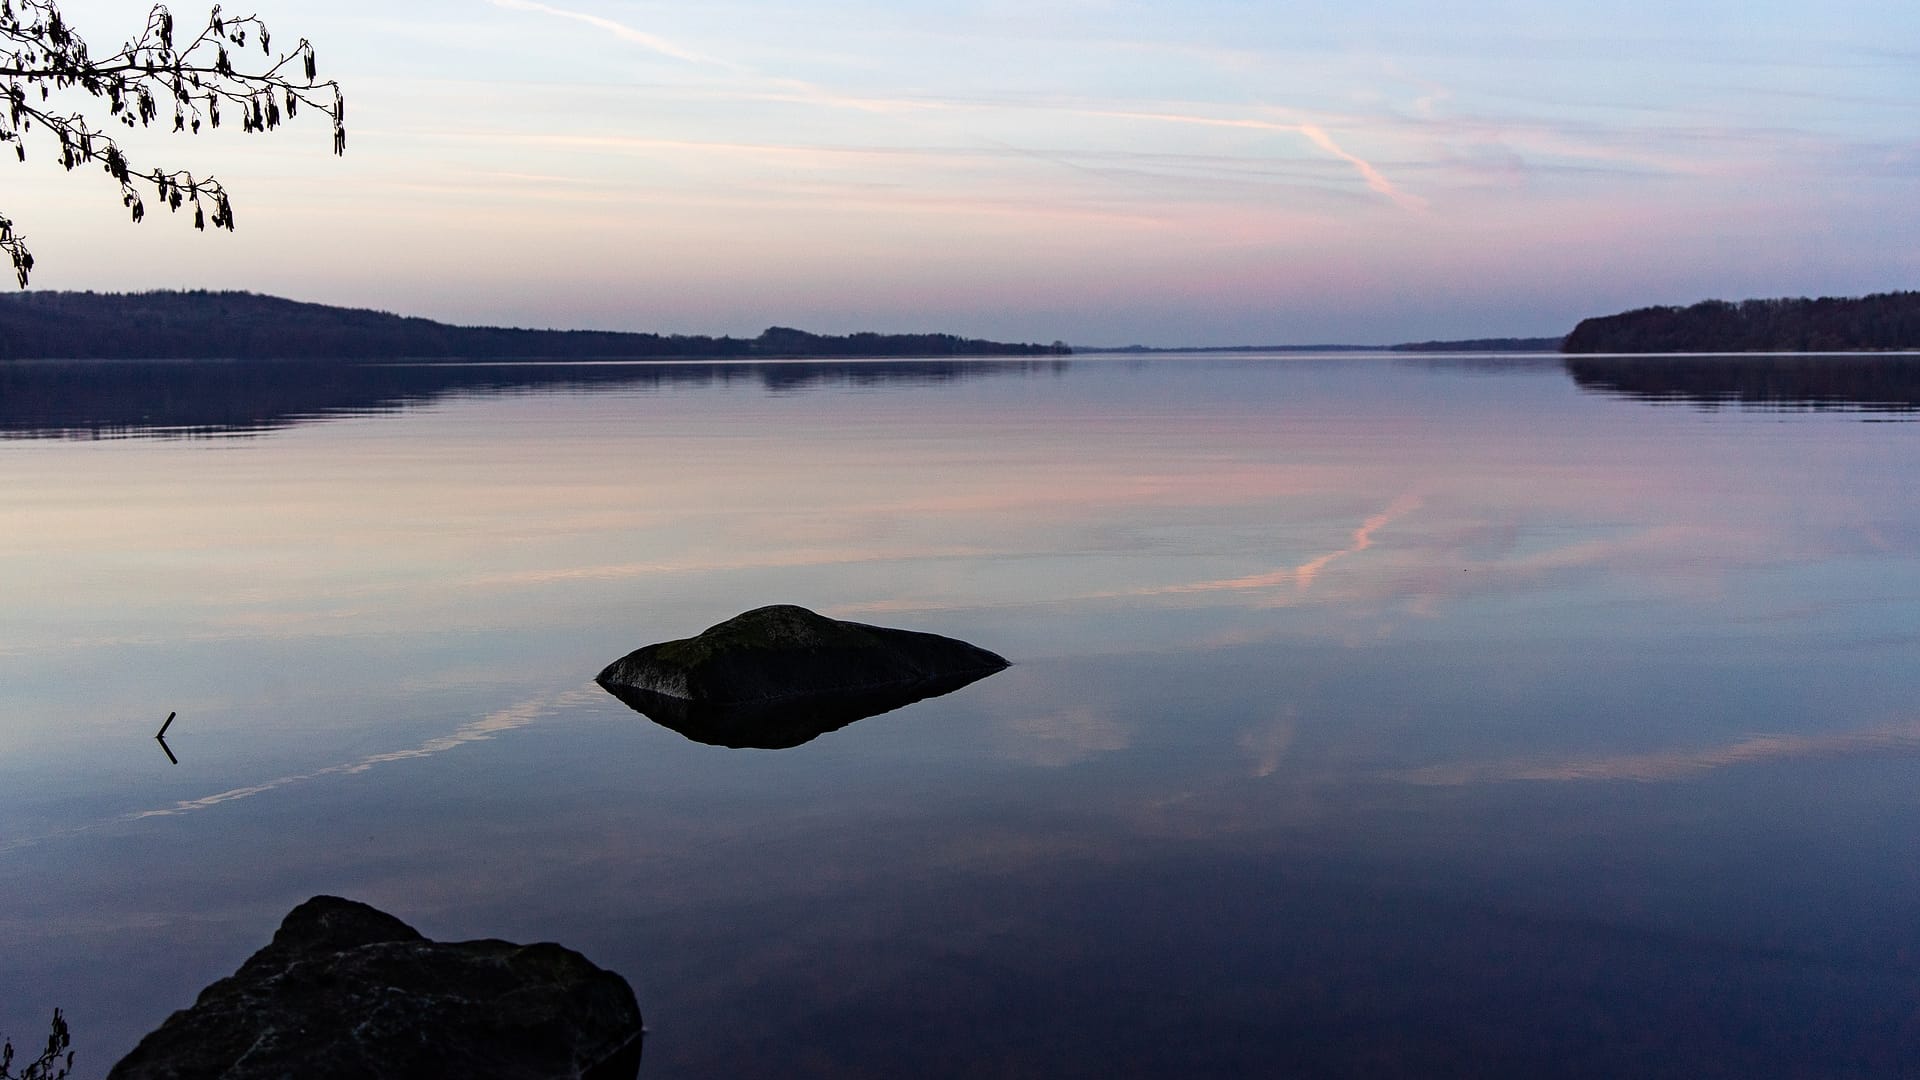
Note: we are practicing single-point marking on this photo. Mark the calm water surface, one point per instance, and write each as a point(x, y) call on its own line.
point(1369, 716)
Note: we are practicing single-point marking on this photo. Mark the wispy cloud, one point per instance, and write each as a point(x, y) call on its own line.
point(1373, 177)
point(651, 42)
point(781, 88)
point(771, 87)
point(1313, 133)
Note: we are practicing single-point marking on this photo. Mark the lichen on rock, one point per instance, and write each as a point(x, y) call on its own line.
point(345, 990)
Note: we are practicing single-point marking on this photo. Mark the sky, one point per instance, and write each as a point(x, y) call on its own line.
point(1104, 172)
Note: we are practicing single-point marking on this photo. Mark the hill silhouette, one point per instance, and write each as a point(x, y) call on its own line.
point(247, 326)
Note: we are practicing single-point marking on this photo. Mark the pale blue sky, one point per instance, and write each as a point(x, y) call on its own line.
point(1102, 172)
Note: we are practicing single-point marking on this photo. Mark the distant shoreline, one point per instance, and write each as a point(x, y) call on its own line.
point(1502, 344)
point(1126, 350)
point(1878, 323)
point(248, 327)
point(1478, 345)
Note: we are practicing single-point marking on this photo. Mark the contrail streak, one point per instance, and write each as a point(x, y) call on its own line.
point(799, 90)
point(1313, 133)
point(617, 29)
point(1372, 175)
point(777, 88)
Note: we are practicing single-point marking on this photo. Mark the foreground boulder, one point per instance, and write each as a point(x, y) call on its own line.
point(778, 676)
point(345, 990)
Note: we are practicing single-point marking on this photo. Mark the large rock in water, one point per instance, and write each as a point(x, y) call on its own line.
point(345, 990)
point(778, 676)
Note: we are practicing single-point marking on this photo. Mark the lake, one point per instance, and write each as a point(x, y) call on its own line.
point(1370, 715)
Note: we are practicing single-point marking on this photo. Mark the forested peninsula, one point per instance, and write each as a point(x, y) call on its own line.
point(1882, 322)
point(1498, 344)
point(247, 326)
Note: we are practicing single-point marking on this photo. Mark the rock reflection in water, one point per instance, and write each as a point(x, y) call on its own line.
point(780, 675)
point(782, 724)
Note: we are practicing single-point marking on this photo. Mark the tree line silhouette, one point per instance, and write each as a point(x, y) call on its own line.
point(1498, 344)
point(1880, 322)
point(95, 399)
point(247, 326)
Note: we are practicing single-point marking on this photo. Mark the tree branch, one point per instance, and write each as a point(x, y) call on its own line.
point(41, 54)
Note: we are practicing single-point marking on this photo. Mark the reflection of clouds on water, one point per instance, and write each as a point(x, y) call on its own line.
point(1677, 764)
point(781, 560)
point(1430, 572)
point(1303, 576)
point(495, 723)
point(1269, 744)
point(1001, 850)
point(1670, 553)
point(1408, 575)
point(508, 719)
point(1282, 587)
point(1424, 572)
point(1064, 737)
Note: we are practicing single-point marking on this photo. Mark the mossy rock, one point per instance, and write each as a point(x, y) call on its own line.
point(347, 991)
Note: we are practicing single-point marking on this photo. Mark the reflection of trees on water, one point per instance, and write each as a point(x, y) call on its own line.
point(107, 399)
point(1487, 363)
point(1864, 383)
point(55, 1061)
